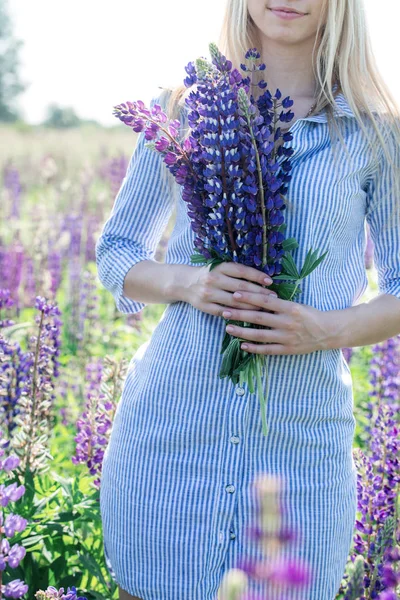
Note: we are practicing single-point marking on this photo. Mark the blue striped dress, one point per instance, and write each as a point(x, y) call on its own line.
point(176, 492)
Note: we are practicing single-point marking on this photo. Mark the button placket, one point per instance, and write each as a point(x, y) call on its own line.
point(232, 468)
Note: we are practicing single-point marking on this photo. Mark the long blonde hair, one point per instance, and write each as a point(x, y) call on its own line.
point(342, 59)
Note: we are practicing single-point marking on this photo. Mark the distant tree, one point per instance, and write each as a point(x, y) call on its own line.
point(61, 118)
point(10, 83)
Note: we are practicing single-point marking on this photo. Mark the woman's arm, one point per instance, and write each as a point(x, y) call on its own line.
point(152, 282)
point(364, 324)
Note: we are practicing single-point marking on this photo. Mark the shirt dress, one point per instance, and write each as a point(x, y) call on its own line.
point(176, 489)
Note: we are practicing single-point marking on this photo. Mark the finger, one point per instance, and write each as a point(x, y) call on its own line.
point(268, 302)
point(238, 285)
point(256, 335)
point(255, 315)
point(244, 272)
point(224, 299)
point(264, 348)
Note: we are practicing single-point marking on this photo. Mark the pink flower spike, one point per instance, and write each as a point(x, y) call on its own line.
point(161, 144)
point(170, 158)
point(173, 131)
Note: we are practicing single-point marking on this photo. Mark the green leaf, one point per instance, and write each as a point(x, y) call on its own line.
point(290, 266)
point(33, 540)
point(243, 365)
point(90, 565)
point(283, 276)
point(67, 516)
point(290, 244)
point(307, 263)
point(198, 258)
point(311, 262)
point(251, 373)
point(225, 368)
point(286, 290)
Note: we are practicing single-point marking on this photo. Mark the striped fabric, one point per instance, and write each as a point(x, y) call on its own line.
point(176, 493)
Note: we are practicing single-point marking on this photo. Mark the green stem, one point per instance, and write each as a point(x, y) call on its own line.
point(295, 289)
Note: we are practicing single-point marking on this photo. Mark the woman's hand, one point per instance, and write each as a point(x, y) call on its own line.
point(212, 291)
point(296, 328)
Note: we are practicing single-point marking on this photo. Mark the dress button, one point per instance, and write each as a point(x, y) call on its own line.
point(232, 535)
point(234, 439)
point(230, 488)
point(240, 391)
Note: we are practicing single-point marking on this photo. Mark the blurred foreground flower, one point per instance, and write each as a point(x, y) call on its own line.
point(281, 573)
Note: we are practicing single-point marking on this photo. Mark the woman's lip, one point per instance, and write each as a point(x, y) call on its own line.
point(286, 14)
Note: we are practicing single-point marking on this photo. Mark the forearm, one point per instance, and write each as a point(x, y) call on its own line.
point(153, 282)
point(364, 324)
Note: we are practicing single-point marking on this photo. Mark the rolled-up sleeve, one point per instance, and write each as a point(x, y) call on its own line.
point(383, 218)
point(138, 218)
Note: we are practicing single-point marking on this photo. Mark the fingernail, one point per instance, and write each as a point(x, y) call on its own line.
point(237, 295)
point(226, 313)
point(230, 328)
point(267, 280)
point(273, 294)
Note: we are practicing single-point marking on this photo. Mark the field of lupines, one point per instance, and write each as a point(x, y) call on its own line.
point(64, 350)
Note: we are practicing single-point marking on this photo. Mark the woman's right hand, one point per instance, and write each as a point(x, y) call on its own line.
point(212, 291)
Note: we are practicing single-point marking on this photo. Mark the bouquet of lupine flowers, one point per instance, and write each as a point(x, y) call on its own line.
point(234, 175)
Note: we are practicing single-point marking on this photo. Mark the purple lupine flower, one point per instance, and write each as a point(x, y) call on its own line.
point(29, 280)
point(348, 353)
point(104, 385)
point(14, 374)
point(14, 523)
point(30, 440)
point(378, 473)
point(55, 269)
point(92, 227)
point(88, 312)
point(14, 589)
point(52, 592)
point(10, 493)
point(10, 523)
point(12, 184)
point(116, 172)
point(11, 265)
point(94, 423)
point(6, 303)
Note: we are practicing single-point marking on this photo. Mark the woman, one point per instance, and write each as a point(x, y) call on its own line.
point(176, 491)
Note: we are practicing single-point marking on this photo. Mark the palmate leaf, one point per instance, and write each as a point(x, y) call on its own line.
point(284, 276)
point(311, 262)
point(198, 258)
point(226, 364)
point(286, 290)
point(290, 266)
point(290, 244)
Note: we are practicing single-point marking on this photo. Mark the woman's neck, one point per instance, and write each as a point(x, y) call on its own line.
point(289, 68)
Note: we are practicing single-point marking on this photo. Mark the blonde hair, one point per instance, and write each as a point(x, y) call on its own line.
point(342, 60)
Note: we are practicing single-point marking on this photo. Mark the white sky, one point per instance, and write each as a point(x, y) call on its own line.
point(94, 54)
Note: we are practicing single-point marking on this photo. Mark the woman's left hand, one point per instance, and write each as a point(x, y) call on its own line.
point(296, 328)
